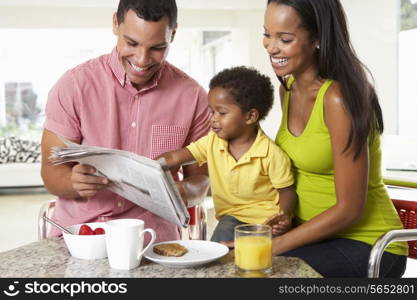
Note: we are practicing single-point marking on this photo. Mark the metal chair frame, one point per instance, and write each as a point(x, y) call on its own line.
point(43, 227)
point(407, 212)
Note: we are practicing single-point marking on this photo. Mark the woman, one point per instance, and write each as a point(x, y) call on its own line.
point(330, 129)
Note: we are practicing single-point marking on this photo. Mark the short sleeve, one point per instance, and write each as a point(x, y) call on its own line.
point(199, 149)
point(200, 125)
point(62, 116)
point(279, 168)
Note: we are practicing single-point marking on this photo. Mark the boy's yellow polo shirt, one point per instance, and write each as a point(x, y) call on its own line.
point(244, 189)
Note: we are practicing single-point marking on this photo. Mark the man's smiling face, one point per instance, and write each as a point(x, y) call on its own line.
point(142, 46)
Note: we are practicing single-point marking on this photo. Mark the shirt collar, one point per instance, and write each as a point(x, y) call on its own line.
point(259, 147)
point(117, 68)
point(120, 74)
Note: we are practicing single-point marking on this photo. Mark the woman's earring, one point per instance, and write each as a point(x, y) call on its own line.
point(318, 47)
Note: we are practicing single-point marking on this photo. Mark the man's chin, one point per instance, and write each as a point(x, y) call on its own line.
point(139, 82)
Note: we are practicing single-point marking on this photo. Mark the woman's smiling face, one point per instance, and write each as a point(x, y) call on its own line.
point(287, 42)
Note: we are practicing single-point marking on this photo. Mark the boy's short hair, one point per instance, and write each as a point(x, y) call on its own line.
point(250, 88)
point(149, 10)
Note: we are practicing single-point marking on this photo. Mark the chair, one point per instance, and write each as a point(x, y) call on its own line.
point(407, 212)
point(197, 229)
point(43, 227)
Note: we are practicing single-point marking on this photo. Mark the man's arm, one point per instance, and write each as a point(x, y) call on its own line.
point(68, 180)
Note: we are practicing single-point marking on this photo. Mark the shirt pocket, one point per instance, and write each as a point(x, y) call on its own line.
point(165, 138)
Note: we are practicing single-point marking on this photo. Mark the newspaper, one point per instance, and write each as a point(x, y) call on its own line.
point(139, 179)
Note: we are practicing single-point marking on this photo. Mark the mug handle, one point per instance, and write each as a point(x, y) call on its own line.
point(153, 234)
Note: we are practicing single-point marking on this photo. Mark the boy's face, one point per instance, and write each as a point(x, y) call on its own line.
point(227, 119)
point(142, 46)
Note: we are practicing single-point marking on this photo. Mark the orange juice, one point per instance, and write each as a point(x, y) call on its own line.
point(253, 252)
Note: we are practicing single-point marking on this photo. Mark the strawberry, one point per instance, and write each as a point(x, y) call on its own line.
point(99, 230)
point(85, 230)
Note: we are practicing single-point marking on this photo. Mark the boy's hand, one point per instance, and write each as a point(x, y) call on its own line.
point(228, 244)
point(280, 223)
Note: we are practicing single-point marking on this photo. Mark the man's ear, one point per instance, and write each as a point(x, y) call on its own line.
point(316, 44)
point(252, 116)
point(174, 31)
point(115, 25)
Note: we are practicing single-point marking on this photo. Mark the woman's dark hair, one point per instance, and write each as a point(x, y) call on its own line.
point(149, 10)
point(248, 87)
point(325, 20)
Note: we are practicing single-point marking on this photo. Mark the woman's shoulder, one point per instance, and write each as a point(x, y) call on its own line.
point(335, 110)
point(334, 94)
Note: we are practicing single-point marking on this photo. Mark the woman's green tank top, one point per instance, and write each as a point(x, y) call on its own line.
point(311, 156)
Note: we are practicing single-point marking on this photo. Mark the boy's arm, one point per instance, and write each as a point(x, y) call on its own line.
point(282, 222)
point(176, 159)
point(194, 187)
point(287, 199)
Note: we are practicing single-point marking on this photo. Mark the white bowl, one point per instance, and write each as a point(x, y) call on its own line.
point(86, 246)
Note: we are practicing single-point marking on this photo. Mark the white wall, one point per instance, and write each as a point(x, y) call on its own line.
point(374, 26)
point(407, 83)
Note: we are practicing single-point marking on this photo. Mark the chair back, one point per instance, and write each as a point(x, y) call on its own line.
point(407, 212)
point(43, 227)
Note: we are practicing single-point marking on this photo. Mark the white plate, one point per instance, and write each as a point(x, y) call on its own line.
point(199, 253)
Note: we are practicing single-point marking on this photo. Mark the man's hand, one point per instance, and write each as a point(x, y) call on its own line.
point(85, 183)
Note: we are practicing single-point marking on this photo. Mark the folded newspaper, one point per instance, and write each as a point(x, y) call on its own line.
point(139, 179)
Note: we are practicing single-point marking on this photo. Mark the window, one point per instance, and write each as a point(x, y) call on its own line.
point(32, 61)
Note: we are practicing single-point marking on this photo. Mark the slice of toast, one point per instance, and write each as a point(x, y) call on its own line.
point(170, 249)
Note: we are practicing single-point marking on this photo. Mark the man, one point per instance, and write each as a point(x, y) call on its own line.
point(131, 99)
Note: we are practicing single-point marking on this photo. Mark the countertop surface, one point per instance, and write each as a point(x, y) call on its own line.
point(401, 176)
point(50, 258)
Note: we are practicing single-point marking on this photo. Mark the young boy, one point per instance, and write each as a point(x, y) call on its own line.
point(250, 176)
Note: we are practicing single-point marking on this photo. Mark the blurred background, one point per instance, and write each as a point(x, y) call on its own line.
point(41, 39)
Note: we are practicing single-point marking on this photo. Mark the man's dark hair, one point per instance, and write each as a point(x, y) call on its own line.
point(149, 10)
point(248, 87)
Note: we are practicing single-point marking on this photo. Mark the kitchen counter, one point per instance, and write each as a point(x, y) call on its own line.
point(401, 178)
point(50, 258)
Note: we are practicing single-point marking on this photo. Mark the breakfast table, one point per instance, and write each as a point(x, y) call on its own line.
point(49, 258)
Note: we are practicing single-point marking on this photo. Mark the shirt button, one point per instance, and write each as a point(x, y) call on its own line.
point(119, 203)
point(133, 124)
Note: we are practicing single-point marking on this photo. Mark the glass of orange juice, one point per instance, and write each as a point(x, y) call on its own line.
point(253, 250)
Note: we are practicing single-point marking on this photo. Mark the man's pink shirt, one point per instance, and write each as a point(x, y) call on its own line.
point(95, 104)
